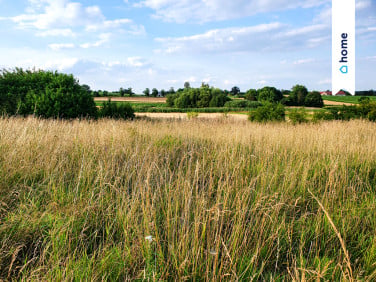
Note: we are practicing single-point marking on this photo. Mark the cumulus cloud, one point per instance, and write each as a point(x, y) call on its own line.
point(65, 32)
point(216, 10)
point(265, 37)
point(59, 46)
point(59, 17)
point(303, 61)
point(103, 38)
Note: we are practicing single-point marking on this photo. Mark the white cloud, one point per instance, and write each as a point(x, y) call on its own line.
point(57, 46)
point(59, 17)
point(261, 82)
point(360, 5)
point(59, 64)
point(136, 62)
point(65, 32)
point(216, 10)
point(264, 37)
point(103, 38)
point(303, 61)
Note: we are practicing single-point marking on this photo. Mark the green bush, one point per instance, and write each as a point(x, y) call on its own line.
point(314, 99)
point(45, 94)
point(243, 104)
point(116, 110)
point(251, 95)
point(372, 115)
point(322, 115)
point(366, 110)
point(298, 116)
point(268, 112)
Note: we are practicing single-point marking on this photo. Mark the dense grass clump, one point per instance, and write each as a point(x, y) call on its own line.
point(187, 200)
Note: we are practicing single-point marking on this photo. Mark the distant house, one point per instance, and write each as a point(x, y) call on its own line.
point(341, 93)
point(328, 93)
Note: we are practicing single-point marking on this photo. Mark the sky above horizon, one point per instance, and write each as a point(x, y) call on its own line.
point(163, 43)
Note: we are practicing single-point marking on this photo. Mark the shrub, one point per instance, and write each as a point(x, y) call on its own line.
point(117, 110)
point(372, 115)
point(242, 104)
point(268, 112)
point(251, 95)
point(314, 99)
point(44, 93)
point(346, 112)
point(322, 115)
point(298, 116)
point(192, 115)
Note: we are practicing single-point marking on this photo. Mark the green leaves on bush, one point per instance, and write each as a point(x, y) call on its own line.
point(243, 104)
point(44, 93)
point(298, 116)
point(366, 110)
point(299, 96)
point(116, 110)
point(202, 97)
point(268, 112)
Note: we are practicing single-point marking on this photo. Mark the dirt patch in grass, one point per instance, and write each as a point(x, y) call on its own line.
point(334, 103)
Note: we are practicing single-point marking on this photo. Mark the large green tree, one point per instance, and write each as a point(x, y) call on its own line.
point(269, 94)
point(298, 95)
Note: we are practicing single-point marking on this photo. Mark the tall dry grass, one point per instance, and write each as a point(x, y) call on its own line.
point(187, 200)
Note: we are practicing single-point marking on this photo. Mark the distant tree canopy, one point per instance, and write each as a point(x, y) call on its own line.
point(269, 94)
point(235, 90)
point(251, 95)
point(299, 96)
point(44, 93)
point(202, 97)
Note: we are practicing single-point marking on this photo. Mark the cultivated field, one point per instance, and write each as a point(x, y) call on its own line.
point(187, 200)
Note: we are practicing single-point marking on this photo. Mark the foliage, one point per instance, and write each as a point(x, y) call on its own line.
point(116, 110)
point(298, 116)
point(298, 95)
point(314, 99)
point(44, 93)
point(146, 92)
point(251, 95)
point(366, 110)
point(243, 104)
point(270, 94)
point(268, 112)
point(202, 97)
point(322, 115)
point(235, 90)
point(192, 115)
point(154, 92)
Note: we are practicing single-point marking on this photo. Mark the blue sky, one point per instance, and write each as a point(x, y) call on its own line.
point(163, 43)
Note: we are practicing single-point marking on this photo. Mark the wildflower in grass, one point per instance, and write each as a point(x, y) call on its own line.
point(149, 238)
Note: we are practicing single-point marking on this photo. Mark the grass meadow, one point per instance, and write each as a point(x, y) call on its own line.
point(187, 200)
